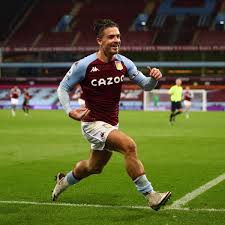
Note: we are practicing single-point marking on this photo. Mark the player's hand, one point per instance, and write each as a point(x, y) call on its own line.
point(79, 114)
point(155, 73)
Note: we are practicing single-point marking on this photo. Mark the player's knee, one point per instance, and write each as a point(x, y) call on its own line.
point(130, 148)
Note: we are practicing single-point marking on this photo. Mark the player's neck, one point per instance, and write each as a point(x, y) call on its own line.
point(103, 57)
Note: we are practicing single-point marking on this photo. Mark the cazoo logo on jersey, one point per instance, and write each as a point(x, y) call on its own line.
point(107, 81)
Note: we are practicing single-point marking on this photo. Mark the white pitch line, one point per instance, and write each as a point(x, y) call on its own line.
point(190, 196)
point(72, 204)
point(103, 206)
point(196, 210)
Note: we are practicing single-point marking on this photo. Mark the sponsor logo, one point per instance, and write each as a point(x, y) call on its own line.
point(107, 81)
point(94, 69)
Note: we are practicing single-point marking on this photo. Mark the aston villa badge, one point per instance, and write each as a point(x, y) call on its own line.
point(119, 65)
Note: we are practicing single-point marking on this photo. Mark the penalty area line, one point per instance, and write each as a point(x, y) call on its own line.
point(103, 206)
point(191, 195)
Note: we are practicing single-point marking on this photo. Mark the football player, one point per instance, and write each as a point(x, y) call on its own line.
point(101, 75)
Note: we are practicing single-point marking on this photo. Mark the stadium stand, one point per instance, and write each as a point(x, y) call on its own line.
point(210, 38)
point(60, 39)
point(37, 20)
point(180, 22)
point(44, 33)
point(167, 22)
point(123, 16)
point(10, 14)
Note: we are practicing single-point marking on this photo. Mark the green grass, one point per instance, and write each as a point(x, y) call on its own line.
point(179, 158)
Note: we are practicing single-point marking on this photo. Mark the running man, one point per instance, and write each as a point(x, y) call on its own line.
point(176, 92)
point(14, 96)
point(101, 75)
point(26, 101)
point(188, 96)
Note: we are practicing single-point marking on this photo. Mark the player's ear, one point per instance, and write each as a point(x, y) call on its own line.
point(99, 41)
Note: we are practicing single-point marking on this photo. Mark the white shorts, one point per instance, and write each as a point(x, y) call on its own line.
point(96, 133)
point(14, 101)
point(187, 103)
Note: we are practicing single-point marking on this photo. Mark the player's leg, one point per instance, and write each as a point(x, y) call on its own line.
point(179, 109)
point(23, 107)
point(94, 165)
point(13, 110)
point(84, 168)
point(26, 109)
point(173, 110)
point(121, 142)
point(185, 109)
point(96, 133)
point(187, 105)
point(13, 106)
point(124, 144)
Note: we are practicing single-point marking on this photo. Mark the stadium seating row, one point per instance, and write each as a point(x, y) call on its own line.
point(38, 26)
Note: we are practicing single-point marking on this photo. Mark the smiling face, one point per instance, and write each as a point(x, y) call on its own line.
point(109, 41)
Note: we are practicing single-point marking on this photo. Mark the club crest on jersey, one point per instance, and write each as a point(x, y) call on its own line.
point(119, 65)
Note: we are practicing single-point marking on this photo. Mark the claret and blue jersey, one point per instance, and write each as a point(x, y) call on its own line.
point(102, 82)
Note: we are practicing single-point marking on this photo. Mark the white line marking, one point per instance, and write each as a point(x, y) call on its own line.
point(103, 206)
point(72, 204)
point(196, 210)
point(188, 197)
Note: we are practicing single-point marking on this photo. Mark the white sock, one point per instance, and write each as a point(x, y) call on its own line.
point(143, 185)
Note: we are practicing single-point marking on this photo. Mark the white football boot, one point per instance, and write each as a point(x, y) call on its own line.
point(157, 199)
point(60, 186)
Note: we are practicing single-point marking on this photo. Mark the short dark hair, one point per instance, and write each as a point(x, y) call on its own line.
point(101, 25)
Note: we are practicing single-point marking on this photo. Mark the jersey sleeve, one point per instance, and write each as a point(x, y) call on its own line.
point(146, 83)
point(75, 75)
point(132, 70)
point(171, 90)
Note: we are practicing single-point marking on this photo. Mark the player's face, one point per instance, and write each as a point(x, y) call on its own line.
point(110, 41)
point(178, 82)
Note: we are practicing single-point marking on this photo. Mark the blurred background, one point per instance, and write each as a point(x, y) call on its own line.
point(40, 39)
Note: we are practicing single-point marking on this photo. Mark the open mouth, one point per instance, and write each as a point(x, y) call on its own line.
point(115, 47)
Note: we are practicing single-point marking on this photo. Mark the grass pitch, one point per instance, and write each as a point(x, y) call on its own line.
point(180, 158)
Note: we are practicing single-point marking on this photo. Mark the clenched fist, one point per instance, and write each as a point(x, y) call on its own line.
point(155, 73)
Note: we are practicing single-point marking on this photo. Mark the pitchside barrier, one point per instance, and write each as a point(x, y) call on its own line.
point(131, 100)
